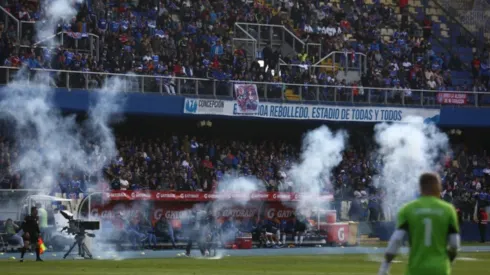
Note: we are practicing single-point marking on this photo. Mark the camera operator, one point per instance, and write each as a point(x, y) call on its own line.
point(31, 234)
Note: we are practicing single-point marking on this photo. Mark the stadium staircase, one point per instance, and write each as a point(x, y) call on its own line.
point(277, 37)
point(449, 35)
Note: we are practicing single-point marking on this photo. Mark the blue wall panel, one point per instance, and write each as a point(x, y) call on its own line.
point(465, 116)
point(136, 103)
point(156, 104)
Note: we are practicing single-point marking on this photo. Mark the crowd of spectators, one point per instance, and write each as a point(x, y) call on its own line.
point(480, 69)
point(197, 164)
point(195, 39)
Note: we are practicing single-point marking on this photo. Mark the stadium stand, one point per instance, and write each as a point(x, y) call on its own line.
point(355, 46)
point(341, 43)
point(190, 163)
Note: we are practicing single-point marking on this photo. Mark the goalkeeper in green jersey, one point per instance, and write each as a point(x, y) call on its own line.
point(433, 232)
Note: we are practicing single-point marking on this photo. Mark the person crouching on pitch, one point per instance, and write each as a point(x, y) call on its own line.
point(31, 234)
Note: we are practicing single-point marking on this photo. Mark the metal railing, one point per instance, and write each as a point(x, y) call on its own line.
point(9, 18)
point(27, 27)
point(91, 45)
point(268, 34)
point(268, 91)
point(242, 39)
point(314, 49)
point(348, 61)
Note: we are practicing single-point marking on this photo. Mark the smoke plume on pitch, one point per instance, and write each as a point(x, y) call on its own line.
point(407, 150)
point(321, 153)
point(240, 201)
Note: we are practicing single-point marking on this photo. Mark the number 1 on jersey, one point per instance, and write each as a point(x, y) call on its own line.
point(428, 232)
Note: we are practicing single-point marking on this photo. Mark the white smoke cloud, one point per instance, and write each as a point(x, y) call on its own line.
point(321, 153)
point(50, 143)
point(242, 188)
point(55, 12)
point(407, 150)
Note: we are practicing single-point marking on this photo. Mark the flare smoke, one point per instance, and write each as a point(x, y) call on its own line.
point(321, 153)
point(407, 150)
point(50, 143)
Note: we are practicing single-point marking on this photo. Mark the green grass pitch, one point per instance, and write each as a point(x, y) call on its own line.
point(467, 263)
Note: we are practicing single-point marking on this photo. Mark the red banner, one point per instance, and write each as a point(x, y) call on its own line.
point(279, 210)
point(452, 98)
point(178, 210)
point(121, 195)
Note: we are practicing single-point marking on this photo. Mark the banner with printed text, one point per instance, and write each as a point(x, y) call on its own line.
point(247, 98)
point(204, 106)
point(126, 195)
point(309, 112)
point(179, 211)
point(452, 98)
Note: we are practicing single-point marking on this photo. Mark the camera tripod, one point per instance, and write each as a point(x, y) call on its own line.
point(82, 248)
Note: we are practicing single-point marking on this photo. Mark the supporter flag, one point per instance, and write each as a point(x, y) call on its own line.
point(247, 98)
point(160, 33)
point(76, 35)
point(41, 246)
point(152, 24)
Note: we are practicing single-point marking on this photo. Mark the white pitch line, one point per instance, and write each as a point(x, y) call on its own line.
point(467, 259)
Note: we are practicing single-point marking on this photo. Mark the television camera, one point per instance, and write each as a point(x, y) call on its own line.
point(77, 228)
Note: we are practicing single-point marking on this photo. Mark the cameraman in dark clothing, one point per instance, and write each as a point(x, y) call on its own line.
point(31, 234)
